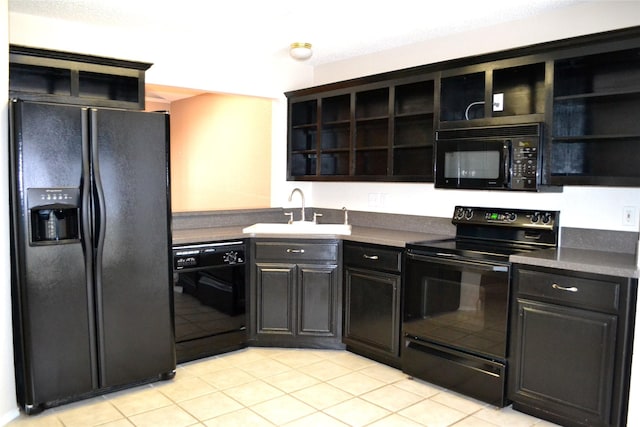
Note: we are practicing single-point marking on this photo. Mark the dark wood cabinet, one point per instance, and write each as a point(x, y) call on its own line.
point(570, 346)
point(596, 134)
point(381, 127)
point(369, 132)
point(295, 292)
point(69, 78)
point(274, 290)
point(413, 131)
point(335, 136)
point(303, 137)
point(372, 132)
point(493, 93)
point(372, 301)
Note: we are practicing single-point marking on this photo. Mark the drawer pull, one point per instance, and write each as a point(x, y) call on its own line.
point(564, 288)
point(373, 257)
point(295, 251)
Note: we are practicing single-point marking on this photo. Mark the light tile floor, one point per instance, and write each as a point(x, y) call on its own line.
point(282, 387)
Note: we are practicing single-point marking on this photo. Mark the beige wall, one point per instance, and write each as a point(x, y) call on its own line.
point(157, 106)
point(220, 153)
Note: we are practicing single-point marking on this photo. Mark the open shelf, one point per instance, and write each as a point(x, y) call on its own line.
point(596, 132)
point(334, 163)
point(462, 97)
point(523, 88)
point(69, 78)
point(35, 79)
point(413, 161)
point(304, 113)
point(372, 104)
point(588, 161)
point(336, 109)
point(414, 98)
point(371, 162)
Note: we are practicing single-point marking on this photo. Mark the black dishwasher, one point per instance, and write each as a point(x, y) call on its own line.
point(209, 298)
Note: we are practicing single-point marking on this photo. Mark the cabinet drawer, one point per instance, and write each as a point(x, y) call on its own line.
point(563, 289)
point(372, 257)
point(294, 251)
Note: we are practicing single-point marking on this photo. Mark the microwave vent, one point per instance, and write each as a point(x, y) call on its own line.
point(533, 129)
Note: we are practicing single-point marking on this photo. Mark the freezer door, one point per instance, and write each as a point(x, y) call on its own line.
point(51, 284)
point(133, 271)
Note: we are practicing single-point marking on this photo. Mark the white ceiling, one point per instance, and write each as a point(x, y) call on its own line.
point(338, 29)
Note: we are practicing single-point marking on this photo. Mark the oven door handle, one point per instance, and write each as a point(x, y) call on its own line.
point(452, 259)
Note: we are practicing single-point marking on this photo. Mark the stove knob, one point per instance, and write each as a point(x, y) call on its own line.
point(231, 257)
point(459, 213)
point(513, 216)
point(535, 217)
point(468, 214)
point(546, 218)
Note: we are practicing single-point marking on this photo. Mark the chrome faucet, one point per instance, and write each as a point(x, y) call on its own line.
point(301, 196)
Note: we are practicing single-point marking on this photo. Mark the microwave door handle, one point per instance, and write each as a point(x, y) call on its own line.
point(506, 151)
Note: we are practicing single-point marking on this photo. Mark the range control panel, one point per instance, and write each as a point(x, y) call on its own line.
point(520, 218)
point(207, 255)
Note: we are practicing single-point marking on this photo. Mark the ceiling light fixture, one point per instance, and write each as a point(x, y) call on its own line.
point(300, 51)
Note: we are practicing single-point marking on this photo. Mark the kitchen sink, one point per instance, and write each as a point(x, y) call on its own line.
point(298, 227)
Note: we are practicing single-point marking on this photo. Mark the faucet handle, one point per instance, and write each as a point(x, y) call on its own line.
point(290, 215)
point(315, 217)
point(346, 215)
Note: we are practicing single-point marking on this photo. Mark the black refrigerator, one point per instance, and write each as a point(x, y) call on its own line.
point(91, 257)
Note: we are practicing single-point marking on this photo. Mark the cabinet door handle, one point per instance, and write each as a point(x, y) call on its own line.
point(564, 288)
point(295, 251)
point(373, 257)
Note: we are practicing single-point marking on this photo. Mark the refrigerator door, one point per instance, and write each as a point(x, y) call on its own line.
point(133, 269)
point(51, 287)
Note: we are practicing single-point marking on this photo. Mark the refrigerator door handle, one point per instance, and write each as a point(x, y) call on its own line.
point(99, 236)
point(98, 203)
point(86, 215)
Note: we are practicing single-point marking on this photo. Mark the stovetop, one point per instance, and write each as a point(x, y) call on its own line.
point(469, 249)
point(494, 234)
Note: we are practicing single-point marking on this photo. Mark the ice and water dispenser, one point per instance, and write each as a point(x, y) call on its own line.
point(55, 214)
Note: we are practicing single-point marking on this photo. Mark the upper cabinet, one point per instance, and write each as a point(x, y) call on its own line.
point(62, 77)
point(413, 131)
point(585, 91)
point(499, 92)
point(370, 132)
point(335, 135)
point(596, 127)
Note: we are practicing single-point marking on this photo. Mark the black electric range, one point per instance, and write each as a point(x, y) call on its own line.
point(456, 298)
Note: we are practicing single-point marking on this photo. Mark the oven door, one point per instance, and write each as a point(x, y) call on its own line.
point(456, 303)
point(473, 164)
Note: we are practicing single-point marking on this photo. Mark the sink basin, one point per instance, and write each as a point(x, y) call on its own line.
point(297, 227)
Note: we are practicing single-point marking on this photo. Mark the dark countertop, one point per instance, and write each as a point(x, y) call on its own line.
point(590, 261)
point(379, 236)
point(201, 235)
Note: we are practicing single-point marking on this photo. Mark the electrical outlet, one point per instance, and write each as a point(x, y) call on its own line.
point(630, 215)
point(498, 101)
point(375, 200)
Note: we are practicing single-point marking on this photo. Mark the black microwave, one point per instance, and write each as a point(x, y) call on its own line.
point(489, 158)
